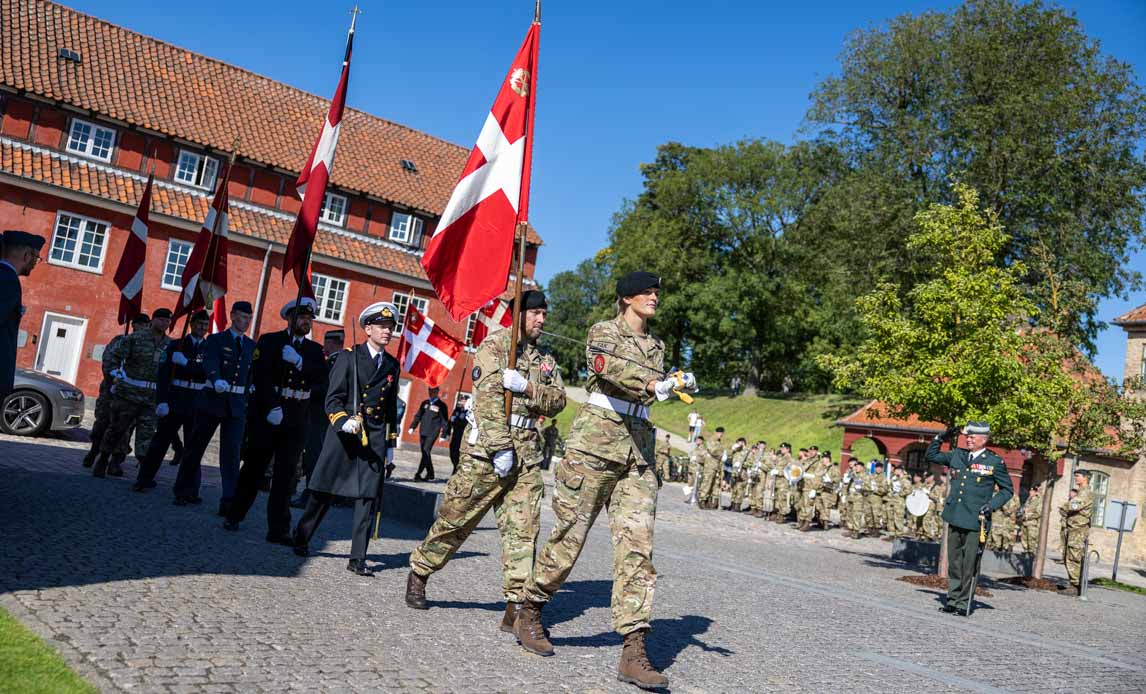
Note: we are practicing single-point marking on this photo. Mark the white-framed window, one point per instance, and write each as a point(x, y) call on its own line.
point(177, 254)
point(404, 228)
point(1099, 490)
point(401, 301)
point(91, 140)
point(470, 323)
point(330, 294)
point(333, 210)
point(196, 169)
point(78, 242)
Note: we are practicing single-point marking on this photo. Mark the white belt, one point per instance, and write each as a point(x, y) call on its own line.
point(149, 385)
point(190, 385)
point(292, 394)
point(621, 407)
point(522, 422)
point(236, 390)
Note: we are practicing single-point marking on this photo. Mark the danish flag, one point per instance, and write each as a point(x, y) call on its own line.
point(311, 184)
point(426, 351)
point(468, 257)
point(492, 317)
point(205, 275)
point(129, 274)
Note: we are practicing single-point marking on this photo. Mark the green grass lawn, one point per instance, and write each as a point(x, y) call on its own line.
point(1118, 585)
point(28, 665)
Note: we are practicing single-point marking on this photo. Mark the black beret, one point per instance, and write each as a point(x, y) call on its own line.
point(161, 313)
point(1084, 473)
point(636, 282)
point(786, 445)
point(198, 315)
point(242, 307)
point(531, 298)
point(14, 238)
point(141, 318)
point(720, 429)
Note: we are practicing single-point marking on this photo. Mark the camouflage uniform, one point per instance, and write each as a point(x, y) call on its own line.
point(826, 497)
point(133, 397)
point(1032, 514)
point(475, 487)
point(739, 478)
point(1076, 515)
point(1003, 526)
point(663, 467)
point(763, 495)
point(896, 505)
point(752, 465)
point(879, 487)
point(857, 502)
point(103, 403)
point(938, 494)
point(712, 457)
point(783, 488)
point(809, 486)
point(608, 464)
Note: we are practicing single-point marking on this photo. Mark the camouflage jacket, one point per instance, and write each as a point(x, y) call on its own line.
point(782, 461)
point(1076, 512)
point(1032, 512)
point(713, 454)
point(540, 369)
point(604, 434)
point(830, 477)
point(740, 464)
point(900, 488)
point(139, 354)
point(878, 484)
point(1006, 514)
point(938, 493)
point(857, 485)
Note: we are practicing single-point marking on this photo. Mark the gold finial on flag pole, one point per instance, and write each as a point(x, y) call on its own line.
point(537, 12)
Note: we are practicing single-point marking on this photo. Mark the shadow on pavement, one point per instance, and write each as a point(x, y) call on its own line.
point(667, 639)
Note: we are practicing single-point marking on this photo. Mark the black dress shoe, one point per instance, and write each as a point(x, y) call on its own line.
point(280, 539)
point(948, 608)
point(224, 508)
point(302, 550)
point(358, 566)
point(139, 487)
point(180, 501)
point(231, 525)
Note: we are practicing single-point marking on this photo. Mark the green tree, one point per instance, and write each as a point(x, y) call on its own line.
point(576, 301)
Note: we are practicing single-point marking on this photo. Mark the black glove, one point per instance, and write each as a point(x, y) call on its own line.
point(951, 433)
point(985, 510)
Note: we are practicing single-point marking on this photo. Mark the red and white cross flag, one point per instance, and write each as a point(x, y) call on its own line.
point(205, 275)
point(426, 351)
point(219, 315)
point(468, 257)
point(311, 184)
point(129, 274)
point(492, 317)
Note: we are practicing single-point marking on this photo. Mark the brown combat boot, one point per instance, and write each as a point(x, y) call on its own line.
point(416, 591)
point(529, 632)
point(510, 616)
point(635, 667)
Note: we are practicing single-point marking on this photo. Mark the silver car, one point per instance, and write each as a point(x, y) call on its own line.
point(39, 402)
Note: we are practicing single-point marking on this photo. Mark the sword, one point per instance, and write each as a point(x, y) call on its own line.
point(984, 525)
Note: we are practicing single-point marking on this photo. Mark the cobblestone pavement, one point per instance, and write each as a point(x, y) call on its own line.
point(140, 595)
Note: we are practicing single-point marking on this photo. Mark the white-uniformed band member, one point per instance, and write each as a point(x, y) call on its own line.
point(358, 441)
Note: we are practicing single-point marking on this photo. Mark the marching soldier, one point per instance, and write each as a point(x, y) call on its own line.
point(133, 394)
point(432, 420)
point(284, 367)
point(858, 492)
point(808, 484)
point(609, 464)
point(782, 490)
point(712, 471)
point(317, 420)
point(103, 401)
point(739, 475)
point(500, 461)
point(978, 473)
point(826, 495)
point(222, 405)
point(1076, 515)
point(1031, 514)
point(362, 407)
point(765, 489)
point(180, 380)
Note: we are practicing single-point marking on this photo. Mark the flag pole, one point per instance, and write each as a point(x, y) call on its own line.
point(520, 232)
point(213, 250)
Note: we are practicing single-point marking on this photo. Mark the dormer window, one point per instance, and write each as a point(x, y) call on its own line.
point(333, 210)
point(196, 169)
point(91, 140)
point(404, 228)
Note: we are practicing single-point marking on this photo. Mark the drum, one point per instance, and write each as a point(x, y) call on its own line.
point(918, 502)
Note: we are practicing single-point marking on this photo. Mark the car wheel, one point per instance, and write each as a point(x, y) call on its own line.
point(25, 413)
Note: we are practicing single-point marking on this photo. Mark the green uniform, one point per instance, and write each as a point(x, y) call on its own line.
point(475, 487)
point(878, 488)
point(664, 471)
point(973, 484)
point(825, 500)
point(1075, 515)
point(783, 488)
point(712, 457)
point(808, 485)
point(857, 502)
point(766, 485)
point(739, 478)
point(1032, 515)
point(896, 506)
point(608, 464)
point(132, 402)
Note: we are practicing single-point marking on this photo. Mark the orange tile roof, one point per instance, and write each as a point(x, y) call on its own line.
point(875, 414)
point(183, 94)
point(1132, 317)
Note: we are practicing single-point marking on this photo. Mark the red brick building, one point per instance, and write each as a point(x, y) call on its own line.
point(87, 108)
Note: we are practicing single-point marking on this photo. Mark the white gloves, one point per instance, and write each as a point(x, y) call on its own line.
point(351, 426)
point(275, 416)
point(179, 359)
point(513, 381)
point(663, 389)
point(292, 357)
point(162, 410)
point(503, 462)
point(689, 382)
point(118, 373)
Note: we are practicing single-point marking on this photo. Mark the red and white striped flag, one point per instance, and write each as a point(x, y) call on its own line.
point(205, 275)
point(468, 257)
point(129, 274)
point(219, 315)
point(492, 317)
point(312, 181)
point(426, 351)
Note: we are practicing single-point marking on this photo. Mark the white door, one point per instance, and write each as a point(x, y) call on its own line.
point(61, 345)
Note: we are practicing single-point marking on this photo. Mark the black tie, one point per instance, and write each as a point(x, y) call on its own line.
point(239, 344)
point(377, 361)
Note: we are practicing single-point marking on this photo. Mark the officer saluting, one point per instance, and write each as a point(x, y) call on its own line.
point(362, 405)
point(284, 368)
point(976, 472)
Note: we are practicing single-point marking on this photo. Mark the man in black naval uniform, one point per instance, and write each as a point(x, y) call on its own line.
point(180, 379)
point(286, 366)
point(976, 473)
point(19, 253)
point(222, 405)
point(431, 421)
point(362, 406)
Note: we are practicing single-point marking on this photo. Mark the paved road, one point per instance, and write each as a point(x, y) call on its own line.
point(143, 596)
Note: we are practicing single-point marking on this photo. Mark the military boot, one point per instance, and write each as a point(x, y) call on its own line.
point(635, 667)
point(529, 632)
point(91, 456)
point(510, 616)
point(416, 592)
point(100, 467)
point(115, 467)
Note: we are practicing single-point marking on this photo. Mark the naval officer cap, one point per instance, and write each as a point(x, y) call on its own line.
point(977, 427)
point(162, 313)
point(242, 307)
point(378, 313)
point(636, 282)
point(305, 305)
point(14, 238)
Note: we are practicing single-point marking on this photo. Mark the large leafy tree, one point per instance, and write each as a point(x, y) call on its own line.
point(576, 301)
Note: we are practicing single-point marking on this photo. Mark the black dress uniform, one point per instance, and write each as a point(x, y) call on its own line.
point(277, 384)
point(346, 467)
point(178, 386)
point(431, 421)
point(12, 305)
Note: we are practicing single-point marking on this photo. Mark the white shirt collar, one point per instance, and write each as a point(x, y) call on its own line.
point(373, 352)
point(976, 454)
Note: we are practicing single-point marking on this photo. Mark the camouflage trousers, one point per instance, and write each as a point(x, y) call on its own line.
point(471, 491)
point(931, 527)
point(825, 502)
point(915, 524)
point(873, 509)
point(761, 494)
point(1002, 537)
point(102, 419)
point(123, 414)
point(895, 508)
point(1030, 533)
point(629, 494)
point(739, 487)
point(708, 494)
point(1074, 539)
point(805, 506)
point(783, 504)
point(663, 471)
point(857, 513)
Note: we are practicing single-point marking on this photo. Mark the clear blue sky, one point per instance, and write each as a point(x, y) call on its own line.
point(616, 79)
